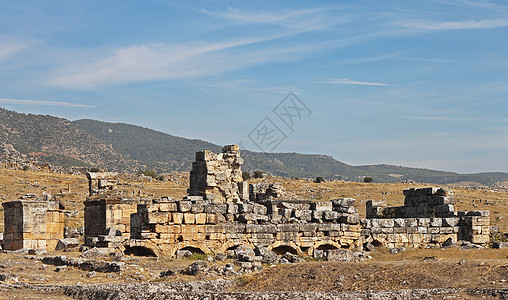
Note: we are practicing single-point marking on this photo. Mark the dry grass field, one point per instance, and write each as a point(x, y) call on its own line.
point(487, 268)
point(72, 190)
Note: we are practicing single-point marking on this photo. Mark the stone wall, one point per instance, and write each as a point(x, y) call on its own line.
point(427, 219)
point(165, 226)
point(107, 221)
point(101, 182)
point(33, 224)
point(418, 203)
point(221, 213)
point(218, 177)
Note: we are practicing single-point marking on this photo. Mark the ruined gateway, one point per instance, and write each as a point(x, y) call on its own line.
point(222, 212)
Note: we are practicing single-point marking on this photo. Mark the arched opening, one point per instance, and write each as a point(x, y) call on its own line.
point(327, 247)
point(232, 248)
point(139, 251)
point(304, 249)
point(281, 250)
point(376, 243)
point(194, 250)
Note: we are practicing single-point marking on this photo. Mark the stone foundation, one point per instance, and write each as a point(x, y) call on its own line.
point(33, 224)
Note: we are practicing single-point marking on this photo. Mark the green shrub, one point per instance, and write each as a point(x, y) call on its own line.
point(368, 179)
point(319, 179)
point(149, 173)
point(245, 175)
point(259, 174)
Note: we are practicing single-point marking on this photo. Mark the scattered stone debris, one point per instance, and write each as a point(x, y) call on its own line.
point(82, 264)
point(67, 243)
point(8, 278)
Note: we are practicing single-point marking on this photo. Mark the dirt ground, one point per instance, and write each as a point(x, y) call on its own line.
point(486, 268)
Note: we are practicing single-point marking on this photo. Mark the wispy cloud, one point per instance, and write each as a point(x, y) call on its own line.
point(250, 86)
point(301, 19)
point(457, 25)
point(354, 82)
point(149, 62)
point(42, 102)
point(10, 48)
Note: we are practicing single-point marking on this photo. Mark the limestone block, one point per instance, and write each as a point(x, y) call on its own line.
point(450, 222)
point(480, 239)
point(321, 206)
point(422, 230)
point(177, 218)
point(200, 218)
point(184, 206)
point(245, 208)
point(330, 215)
point(423, 222)
point(436, 222)
point(189, 218)
point(197, 208)
point(232, 208)
point(434, 230)
point(259, 209)
point(386, 222)
point(305, 215)
point(480, 220)
point(343, 202)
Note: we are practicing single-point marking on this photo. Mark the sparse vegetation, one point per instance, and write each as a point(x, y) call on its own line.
point(368, 179)
point(258, 174)
point(319, 179)
point(245, 175)
point(149, 173)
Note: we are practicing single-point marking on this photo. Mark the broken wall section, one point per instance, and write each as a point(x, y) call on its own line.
point(165, 226)
point(33, 224)
point(218, 177)
point(427, 219)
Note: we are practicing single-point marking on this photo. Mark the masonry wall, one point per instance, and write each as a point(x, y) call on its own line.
point(218, 177)
point(107, 221)
point(165, 226)
point(32, 224)
point(427, 219)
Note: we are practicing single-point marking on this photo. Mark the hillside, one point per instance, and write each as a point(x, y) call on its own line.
point(127, 148)
point(55, 140)
point(164, 152)
point(157, 150)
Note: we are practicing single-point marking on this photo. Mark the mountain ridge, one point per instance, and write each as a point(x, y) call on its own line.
point(127, 148)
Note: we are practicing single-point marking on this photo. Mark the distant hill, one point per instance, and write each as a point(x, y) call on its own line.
point(128, 148)
point(164, 152)
point(155, 149)
point(57, 141)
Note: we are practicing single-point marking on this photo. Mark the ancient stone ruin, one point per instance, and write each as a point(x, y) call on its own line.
point(222, 213)
point(428, 218)
point(218, 177)
point(33, 223)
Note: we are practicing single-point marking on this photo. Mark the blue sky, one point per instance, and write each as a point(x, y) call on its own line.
point(413, 83)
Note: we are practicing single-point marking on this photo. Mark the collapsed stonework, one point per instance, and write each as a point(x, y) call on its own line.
point(427, 219)
point(221, 213)
point(33, 223)
point(218, 177)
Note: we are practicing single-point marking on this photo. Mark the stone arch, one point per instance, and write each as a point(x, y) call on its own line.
point(140, 251)
point(197, 247)
point(327, 244)
point(281, 246)
point(327, 247)
point(229, 245)
point(193, 249)
point(146, 247)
